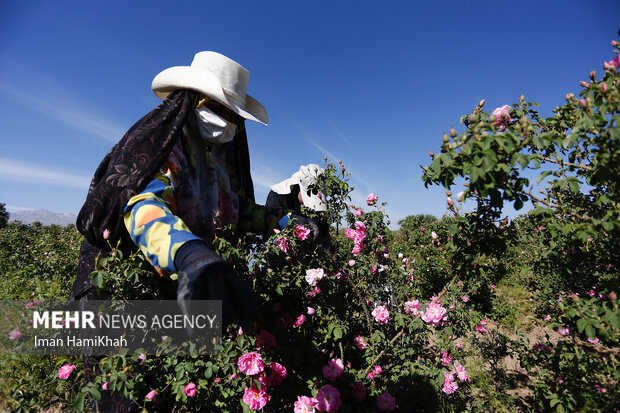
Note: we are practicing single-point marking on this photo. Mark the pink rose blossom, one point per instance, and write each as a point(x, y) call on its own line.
point(190, 390)
point(547, 317)
point(446, 358)
point(251, 363)
point(328, 399)
point(593, 340)
point(459, 345)
point(412, 307)
point(33, 303)
point(15, 334)
point(372, 199)
point(480, 328)
point(459, 196)
point(333, 369)
point(278, 373)
point(65, 371)
point(300, 321)
point(381, 314)
point(361, 228)
point(255, 399)
point(313, 275)
point(350, 233)
point(433, 235)
point(301, 232)
point(151, 395)
point(358, 212)
point(305, 404)
point(358, 391)
point(360, 343)
point(449, 385)
point(283, 244)
point(502, 117)
point(449, 201)
point(106, 233)
point(314, 292)
point(461, 373)
point(310, 310)
point(378, 370)
point(465, 298)
point(600, 388)
point(564, 331)
point(105, 385)
point(351, 263)
point(434, 314)
point(386, 402)
point(615, 62)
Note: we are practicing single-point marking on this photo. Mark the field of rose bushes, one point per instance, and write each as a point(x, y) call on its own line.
point(470, 311)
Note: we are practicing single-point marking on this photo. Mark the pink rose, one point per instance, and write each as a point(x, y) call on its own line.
point(190, 389)
point(449, 385)
point(386, 402)
point(333, 369)
point(106, 233)
point(502, 117)
point(313, 275)
point(461, 373)
point(593, 340)
point(412, 307)
point(358, 391)
point(278, 373)
point(282, 243)
point(465, 298)
point(301, 232)
point(381, 314)
point(256, 399)
point(434, 314)
point(350, 233)
point(15, 334)
point(446, 358)
point(251, 363)
point(305, 404)
point(360, 343)
point(105, 385)
point(310, 310)
point(378, 370)
point(361, 228)
point(564, 331)
point(300, 321)
point(449, 201)
point(65, 371)
point(459, 196)
point(433, 235)
point(150, 395)
point(615, 62)
point(328, 399)
point(358, 212)
point(372, 199)
point(351, 263)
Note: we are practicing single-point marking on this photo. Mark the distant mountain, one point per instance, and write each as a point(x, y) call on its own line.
point(44, 216)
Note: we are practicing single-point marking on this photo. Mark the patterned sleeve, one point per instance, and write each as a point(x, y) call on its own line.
point(257, 218)
point(153, 227)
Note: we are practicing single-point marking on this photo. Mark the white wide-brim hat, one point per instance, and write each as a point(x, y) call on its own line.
point(306, 176)
point(216, 76)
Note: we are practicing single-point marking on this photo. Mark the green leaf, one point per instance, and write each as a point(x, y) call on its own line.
point(78, 403)
point(337, 333)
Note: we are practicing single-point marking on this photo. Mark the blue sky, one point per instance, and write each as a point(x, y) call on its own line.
point(374, 83)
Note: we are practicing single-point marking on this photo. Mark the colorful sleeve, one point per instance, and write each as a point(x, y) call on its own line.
point(258, 218)
point(153, 227)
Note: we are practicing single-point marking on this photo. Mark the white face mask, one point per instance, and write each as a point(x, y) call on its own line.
point(213, 128)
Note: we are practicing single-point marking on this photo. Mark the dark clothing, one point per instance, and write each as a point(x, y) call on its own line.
point(289, 201)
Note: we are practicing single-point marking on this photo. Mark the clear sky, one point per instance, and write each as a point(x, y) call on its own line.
point(374, 83)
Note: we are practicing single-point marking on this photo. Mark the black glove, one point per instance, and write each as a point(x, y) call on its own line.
point(309, 223)
point(204, 275)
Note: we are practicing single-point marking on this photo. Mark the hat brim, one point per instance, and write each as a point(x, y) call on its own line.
point(205, 82)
